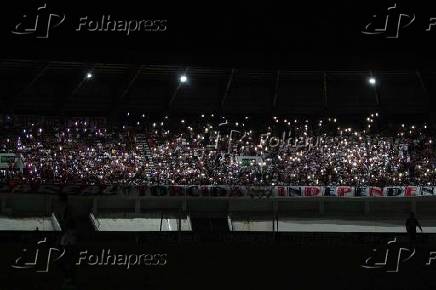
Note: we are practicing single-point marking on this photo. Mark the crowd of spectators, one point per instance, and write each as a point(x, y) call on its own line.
point(224, 151)
point(76, 155)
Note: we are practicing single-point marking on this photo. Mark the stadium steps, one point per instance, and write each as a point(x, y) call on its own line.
point(141, 141)
point(147, 149)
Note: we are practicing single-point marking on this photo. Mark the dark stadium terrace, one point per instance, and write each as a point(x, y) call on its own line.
point(60, 88)
point(294, 229)
point(104, 147)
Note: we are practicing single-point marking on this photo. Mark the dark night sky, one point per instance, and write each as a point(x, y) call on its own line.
point(277, 35)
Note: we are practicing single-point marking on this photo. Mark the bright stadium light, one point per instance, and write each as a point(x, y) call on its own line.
point(89, 75)
point(372, 80)
point(183, 78)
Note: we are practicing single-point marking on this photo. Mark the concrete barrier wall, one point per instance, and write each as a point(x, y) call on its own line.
point(23, 204)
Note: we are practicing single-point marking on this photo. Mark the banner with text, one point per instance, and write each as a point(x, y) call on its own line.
point(217, 191)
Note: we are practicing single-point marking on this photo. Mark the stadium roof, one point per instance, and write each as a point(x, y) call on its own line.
point(60, 87)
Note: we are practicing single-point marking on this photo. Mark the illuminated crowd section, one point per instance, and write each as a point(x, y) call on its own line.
point(218, 150)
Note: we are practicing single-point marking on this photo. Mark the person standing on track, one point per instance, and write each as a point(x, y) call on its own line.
point(411, 224)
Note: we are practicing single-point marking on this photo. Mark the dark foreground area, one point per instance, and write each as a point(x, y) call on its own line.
point(118, 260)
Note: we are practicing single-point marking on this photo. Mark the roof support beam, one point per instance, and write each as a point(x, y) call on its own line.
point(324, 92)
point(174, 95)
point(37, 76)
point(62, 102)
point(228, 86)
point(133, 76)
point(6, 99)
point(377, 96)
point(132, 80)
point(424, 88)
point(276, 90)
point(29, 85)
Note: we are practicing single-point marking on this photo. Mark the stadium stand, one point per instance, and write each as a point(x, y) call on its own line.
point(221, 151)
